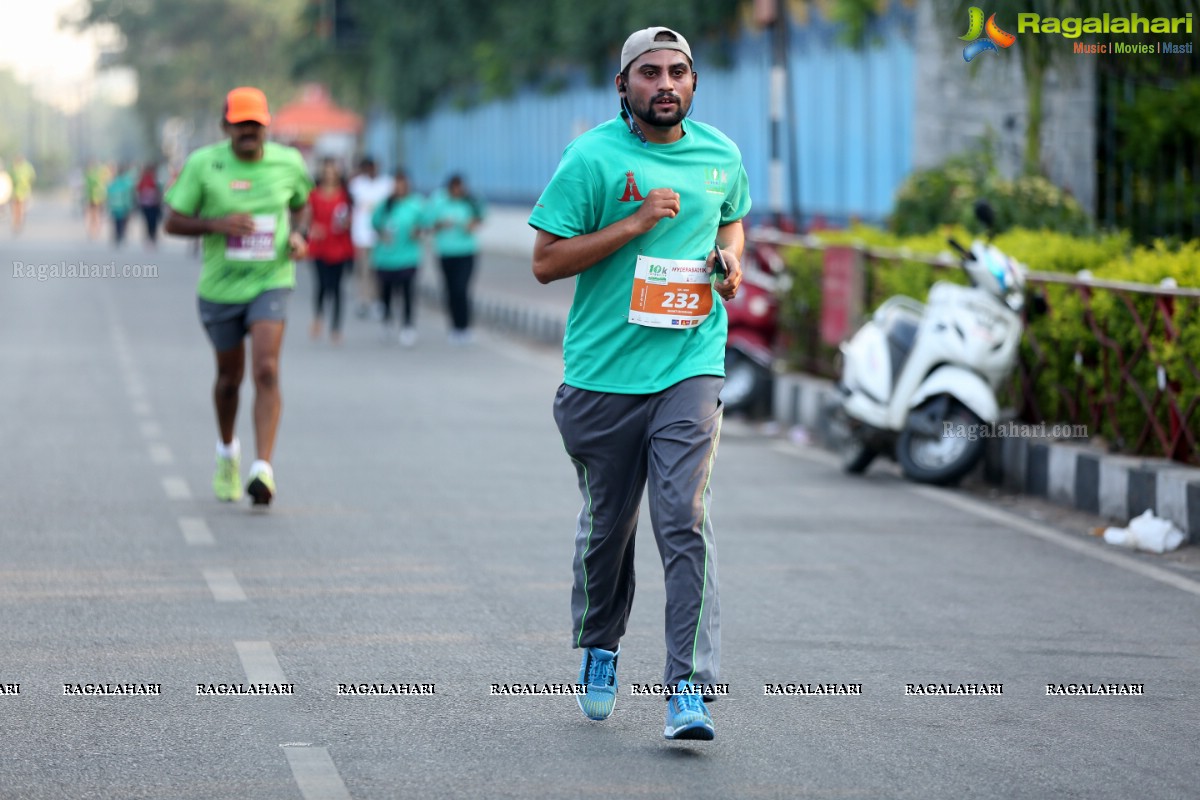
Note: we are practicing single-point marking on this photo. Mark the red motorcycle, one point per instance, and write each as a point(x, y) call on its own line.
point(753, 329)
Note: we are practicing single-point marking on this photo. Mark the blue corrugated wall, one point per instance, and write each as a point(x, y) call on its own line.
point(853, 125)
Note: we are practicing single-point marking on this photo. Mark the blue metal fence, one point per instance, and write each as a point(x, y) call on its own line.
point(853, 125)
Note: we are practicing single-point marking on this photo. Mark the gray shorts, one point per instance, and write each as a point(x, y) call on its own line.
point(228, 323)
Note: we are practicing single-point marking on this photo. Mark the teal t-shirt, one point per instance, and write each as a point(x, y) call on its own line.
point(216, 183)
point(602, 177)
point(456, 214)
point(399, 245)
point(120, 195)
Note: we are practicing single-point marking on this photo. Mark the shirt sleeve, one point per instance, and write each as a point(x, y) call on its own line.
point(304, 184)
point(737, 200)
point(186, 193)
point(567, 205)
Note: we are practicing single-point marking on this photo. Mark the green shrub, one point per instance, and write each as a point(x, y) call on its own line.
point(946, 195)
point(1075, 353)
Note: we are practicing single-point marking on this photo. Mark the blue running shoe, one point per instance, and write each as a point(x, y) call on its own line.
point(687, 717)
point(599, 672)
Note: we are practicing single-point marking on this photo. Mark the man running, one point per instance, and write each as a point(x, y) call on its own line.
point(636, 212)
point(247, 198)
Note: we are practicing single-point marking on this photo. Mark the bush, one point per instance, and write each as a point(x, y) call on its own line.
point(1074, 354)
point(946, 195)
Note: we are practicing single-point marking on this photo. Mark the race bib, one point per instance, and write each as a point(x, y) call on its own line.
point(257, 246)
point(670, 293)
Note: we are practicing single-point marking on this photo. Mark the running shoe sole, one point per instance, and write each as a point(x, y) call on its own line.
point(259, 492)
point(696, 731)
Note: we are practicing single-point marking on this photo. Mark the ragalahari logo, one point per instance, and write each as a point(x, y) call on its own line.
point(994, 37)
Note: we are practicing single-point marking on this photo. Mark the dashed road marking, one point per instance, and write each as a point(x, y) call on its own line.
point(176, 488)
point(224, 586)
point(259, 662)
point(161, 454)
point(195, 531)
point(315, 773)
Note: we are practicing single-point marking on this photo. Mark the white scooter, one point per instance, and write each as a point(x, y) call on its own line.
point(919, 382)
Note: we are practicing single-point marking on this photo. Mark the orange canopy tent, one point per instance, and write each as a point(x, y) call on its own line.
point(313, 116)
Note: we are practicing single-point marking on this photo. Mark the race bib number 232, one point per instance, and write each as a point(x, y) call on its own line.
point(670, 293)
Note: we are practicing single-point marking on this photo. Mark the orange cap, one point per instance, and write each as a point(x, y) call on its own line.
point(247, 104)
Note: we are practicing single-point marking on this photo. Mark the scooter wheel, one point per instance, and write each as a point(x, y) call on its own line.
point(937, 459)
point(857, 455)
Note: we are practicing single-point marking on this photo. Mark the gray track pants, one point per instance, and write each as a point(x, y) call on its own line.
point(617, 442)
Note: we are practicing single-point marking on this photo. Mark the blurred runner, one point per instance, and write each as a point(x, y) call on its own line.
point(5, 189)
point(454, 215)
point(632, 214)
point(330, 246)
point(23, 176)
point(95, 187)
point(149, 200)
point(120, 199)
point(397, 255)
point(247, 198)
point(367, 189)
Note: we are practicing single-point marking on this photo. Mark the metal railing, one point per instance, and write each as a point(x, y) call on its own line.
point(1129, 375)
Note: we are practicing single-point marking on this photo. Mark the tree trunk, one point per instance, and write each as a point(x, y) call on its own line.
point(1035, 87)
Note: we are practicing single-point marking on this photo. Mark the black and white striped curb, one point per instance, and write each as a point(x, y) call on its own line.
point(1117, 487)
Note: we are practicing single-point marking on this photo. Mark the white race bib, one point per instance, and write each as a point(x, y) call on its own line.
point(257, 246)
point(670, 293)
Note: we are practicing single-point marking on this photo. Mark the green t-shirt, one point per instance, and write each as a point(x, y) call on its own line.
point(457, 239)
point(22, 179)
point(602, 176)
point(398, 246)
point(215, 183)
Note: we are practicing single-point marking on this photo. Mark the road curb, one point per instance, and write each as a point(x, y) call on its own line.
point(1118, 487)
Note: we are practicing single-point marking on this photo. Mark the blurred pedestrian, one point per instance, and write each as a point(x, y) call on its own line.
point(248, 198)
point(454, 215)
point(149, 200)
point(397, 221)
point(330, 245)
point(632, 214)
point(5, 189)
point(120, 200)
point(95, 181)
point(23, 176)
point(367, 189)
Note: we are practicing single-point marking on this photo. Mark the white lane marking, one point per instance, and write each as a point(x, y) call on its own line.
point(142, 409)
point(224, 586)
point(135, 390)
point(1028, 527)
point(1048, 534)
point(315, 773)
point(176, 488)
point(195, 531)
point(161, 454)
point(151, 430)
point(259, 662)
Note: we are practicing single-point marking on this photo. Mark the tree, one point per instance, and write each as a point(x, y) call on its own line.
point(418, 56)
point(187, 55)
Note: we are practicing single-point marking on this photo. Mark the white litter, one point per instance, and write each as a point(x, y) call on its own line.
point(1146, 532)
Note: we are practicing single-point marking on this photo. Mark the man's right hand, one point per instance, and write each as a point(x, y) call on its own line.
point(234, 225)
point(658, 204)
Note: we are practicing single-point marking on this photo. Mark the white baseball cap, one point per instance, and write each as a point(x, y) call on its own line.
point(641, 42)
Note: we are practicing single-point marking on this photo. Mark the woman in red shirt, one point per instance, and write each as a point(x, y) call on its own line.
point(329, 244)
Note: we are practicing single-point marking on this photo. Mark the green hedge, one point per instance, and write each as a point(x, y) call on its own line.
point(1062, 350)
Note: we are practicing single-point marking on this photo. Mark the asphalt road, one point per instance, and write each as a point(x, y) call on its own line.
point(422, 535)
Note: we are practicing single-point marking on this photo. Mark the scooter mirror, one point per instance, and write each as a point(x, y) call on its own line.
point(985, 214)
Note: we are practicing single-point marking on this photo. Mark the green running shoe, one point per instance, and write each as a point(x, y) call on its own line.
point(261, 486)
point(227, 484)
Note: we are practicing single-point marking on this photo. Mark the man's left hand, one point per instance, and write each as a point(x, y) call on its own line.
point(297, 246)
point(727, 288)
